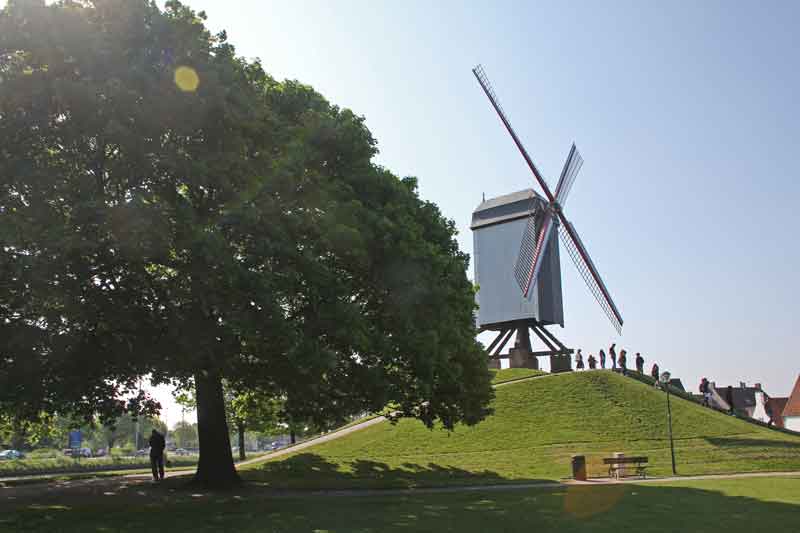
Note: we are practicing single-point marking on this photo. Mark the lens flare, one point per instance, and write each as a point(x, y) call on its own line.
point(186, 79)
point(583, 501)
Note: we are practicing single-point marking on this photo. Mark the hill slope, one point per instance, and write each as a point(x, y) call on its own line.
point(537, 426)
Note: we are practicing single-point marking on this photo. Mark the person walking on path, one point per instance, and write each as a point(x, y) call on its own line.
point(592, 362)
point(654, 372)
point(157, 445)
point(623, 362)
point(602, 359)
point(579, 360)
point(639, 363)
point(613, 353)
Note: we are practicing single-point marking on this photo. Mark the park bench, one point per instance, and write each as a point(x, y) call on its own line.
point(615, 464)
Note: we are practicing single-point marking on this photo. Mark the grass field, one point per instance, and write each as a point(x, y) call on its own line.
point(537, 426)
point(733, 506)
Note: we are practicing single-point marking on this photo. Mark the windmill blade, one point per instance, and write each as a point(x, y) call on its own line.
point(577, 251)
point(570, 171)
point(532, 251)
point(483, 80)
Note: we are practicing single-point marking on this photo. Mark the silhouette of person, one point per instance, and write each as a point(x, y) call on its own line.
point(639, 363)
point(592, 362)
point(602, 359)
point(157, 445)
point(705, 390)
point(729, 398)
point(623, 362)
point(654, 372)
point(613, 353)
point(579, 360)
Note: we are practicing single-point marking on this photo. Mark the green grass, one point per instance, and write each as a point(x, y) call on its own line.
point(512, 374)
point(733, 506)
point(537, 426)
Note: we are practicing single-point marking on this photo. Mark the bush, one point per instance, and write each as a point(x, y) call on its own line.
point(64, 465)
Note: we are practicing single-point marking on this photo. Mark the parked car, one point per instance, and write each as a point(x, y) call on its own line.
point(11, 454)
point(181, 451)
point(142, 452)
point(78, 452)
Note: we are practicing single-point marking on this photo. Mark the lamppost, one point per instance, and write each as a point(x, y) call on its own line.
point(664, 379)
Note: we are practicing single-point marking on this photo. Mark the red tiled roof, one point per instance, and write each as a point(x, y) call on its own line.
point(793, 405)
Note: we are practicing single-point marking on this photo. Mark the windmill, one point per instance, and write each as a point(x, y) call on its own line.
point(533, 220)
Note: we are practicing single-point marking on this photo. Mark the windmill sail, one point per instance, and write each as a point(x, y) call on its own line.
point(570, 171)
point(532, 251)
point(580, 257)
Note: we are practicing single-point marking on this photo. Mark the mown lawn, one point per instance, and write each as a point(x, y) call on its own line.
point(733, 506)
point(537, 426)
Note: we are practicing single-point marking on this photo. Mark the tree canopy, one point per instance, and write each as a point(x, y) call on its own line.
point(169, 209)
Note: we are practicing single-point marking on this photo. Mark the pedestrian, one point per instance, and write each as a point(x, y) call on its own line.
point(592, 362)
point(654, 372)
point(639, 363)
point(579, 360)
point(613, 353)
point(623, 362)
point(157, 445)
point(602, 359)
point(729, 399)
point(705, 390)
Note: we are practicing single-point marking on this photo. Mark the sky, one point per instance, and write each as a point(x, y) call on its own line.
point(686, 114)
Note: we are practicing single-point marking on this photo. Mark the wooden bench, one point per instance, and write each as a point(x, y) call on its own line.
point(616, 463)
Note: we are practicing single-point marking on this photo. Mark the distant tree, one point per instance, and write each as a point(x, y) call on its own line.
point(252, 410)
point(184, 434)
point(171, 210)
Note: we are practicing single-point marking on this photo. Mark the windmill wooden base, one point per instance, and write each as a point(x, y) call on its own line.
point(521, 355)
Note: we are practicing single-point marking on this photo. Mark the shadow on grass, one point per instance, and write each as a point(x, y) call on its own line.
point(310, 471)
point(610, 508)
point(733, 442)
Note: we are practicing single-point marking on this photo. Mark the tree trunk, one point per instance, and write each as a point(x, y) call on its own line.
point(215, 467)
point(241, 441)
point(292, 435)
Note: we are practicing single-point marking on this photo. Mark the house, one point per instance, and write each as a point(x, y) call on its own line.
point(743, 397)
point(676, 383)
point(791, 412)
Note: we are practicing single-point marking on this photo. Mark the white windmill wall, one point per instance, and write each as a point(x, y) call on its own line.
point(498, 226)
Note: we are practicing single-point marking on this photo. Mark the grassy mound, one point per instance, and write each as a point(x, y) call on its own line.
point(537, 426)
point(513, 374)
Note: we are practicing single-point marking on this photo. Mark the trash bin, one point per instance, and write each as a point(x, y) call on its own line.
point(579, 467)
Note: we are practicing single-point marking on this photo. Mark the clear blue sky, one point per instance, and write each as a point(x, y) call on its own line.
point(686, 115)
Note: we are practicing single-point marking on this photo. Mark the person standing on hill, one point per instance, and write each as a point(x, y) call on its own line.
point(623, 362)
point(579, 360)
point(157, 445)
point(602, 358)
point(639, 363)
point(729, 399)
point(613, 353)
point(592, 362)
point(654, 372)
point(705, 390)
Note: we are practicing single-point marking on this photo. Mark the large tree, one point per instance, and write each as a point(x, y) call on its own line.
point(169, 209)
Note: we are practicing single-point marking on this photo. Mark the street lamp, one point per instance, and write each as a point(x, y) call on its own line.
point(664, 379)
